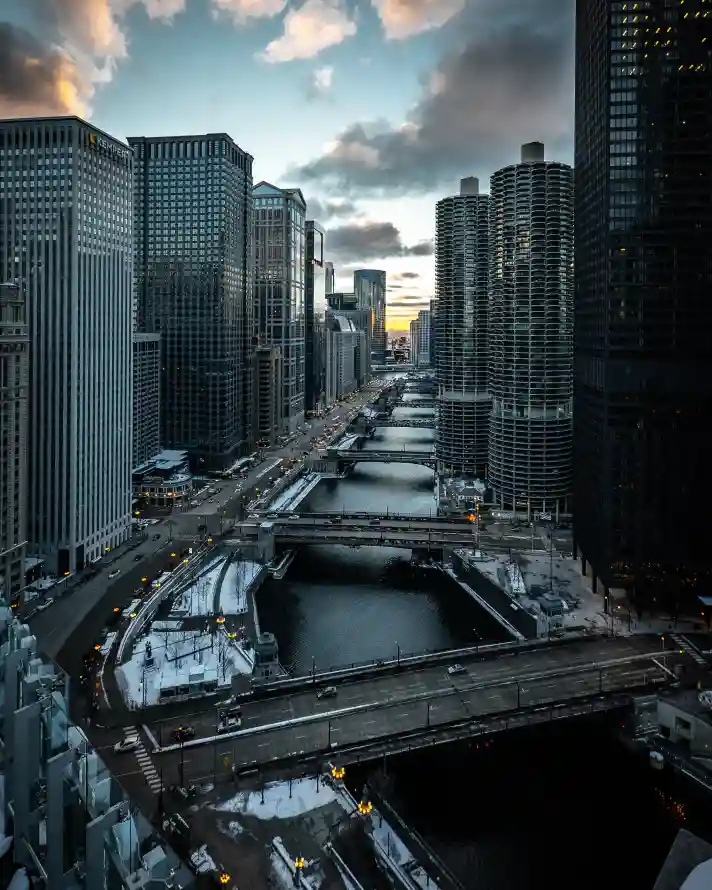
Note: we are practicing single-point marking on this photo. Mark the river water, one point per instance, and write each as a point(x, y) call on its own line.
point(558, 807)
point(341, 605)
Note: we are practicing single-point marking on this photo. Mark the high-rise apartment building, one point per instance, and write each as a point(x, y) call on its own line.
point(414, 334)
point(531, 333)
point(643, 363)
point(146, 398)
point(194, 277)
point(342, 344)
point(315, 317)
point(461, 292)
point(66, 239)
point(14, 380)
point(424, 338)
point(370, 290)
point(347, 305)
point(280, 251)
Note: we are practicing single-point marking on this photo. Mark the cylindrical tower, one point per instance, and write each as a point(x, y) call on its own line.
point(531, 333)
point(461, 279)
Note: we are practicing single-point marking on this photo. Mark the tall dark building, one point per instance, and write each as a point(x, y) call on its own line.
point(460, 348)
point(194, 286)
point(643, 301)
point(314, 317)
point(530, 333)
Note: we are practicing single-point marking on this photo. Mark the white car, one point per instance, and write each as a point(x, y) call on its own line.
point(456, 669)
point(114, 573)
point(130, 743)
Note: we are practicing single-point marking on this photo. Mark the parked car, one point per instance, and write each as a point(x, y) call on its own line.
point(138, 557)
point(183, 733)
point(114, 573)
point(456, 669)
point(327, 692)
point(155, 537)
point(130, 743)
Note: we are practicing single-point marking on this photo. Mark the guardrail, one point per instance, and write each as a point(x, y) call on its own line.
point(364, 669)
point(327, 716)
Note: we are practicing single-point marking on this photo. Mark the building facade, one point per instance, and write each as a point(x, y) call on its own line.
point(370, 290)
point(280, 251)
point(194, 279)
point(315, 318)
point(414, 333)
point(461, 292)
point(268, 392)
point(342, 343)
point(531, 333)
point(73, 258)
point(643, 364)
point(424, 339)
point(146, 398)
point(14, 381)
point(347, 305)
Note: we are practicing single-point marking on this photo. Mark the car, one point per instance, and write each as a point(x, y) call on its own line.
point(327, 692)
point(138, 557)
point(114, 573)
point(456, 669)
point(130, 743)
point(183, 733)
point(155, 537)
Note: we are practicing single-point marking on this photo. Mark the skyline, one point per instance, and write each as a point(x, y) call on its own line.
point(458, 86)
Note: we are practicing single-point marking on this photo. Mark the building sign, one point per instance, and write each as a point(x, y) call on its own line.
point(117, 152)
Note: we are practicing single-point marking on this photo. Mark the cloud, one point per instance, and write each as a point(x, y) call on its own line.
point(321, 82)
point(241, 11)
point(509, 82)
point(309, 29)
point(406, 275)
point(404, 18)
point(35, 79)
point(323, 210)
point(372, 241)
point(81, 43)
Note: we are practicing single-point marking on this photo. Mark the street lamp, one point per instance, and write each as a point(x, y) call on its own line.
point(365, 807)
point(338, 772)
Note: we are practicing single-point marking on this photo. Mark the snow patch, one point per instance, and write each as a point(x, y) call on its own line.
point(233, 589)
point(277, 802)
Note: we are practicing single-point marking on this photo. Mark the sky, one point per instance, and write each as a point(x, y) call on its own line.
point(374, 108)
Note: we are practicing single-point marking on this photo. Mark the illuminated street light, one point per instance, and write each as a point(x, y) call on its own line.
point(97, 646)
point(116, 609)
point(299, 862)
point(338, 772)
point(144, 580)
point(174, 554)
point(224, 877)
point(210, 540)
point(365, 807)
point(220, 619)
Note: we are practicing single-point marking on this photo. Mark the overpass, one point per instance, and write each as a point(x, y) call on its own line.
point(337, 460)
point(426, 423)
point(414, 403)
point(417, 707)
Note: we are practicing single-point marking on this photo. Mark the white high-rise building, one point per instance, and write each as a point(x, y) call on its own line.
point(531, 333)
point(461, 295)
point(66, 238)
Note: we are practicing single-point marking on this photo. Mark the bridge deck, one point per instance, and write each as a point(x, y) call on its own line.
point(418, 702)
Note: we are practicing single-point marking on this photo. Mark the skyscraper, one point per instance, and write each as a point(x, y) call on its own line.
point(370, 290)
point(194, 277)
point(424, 338)
point(14, 379)
point(315, 317)
point(65, 238)
point(643, 363)
point(530, 333)
point(280, 250)
point(461, 292)
point(414, 332)
point(146, 398)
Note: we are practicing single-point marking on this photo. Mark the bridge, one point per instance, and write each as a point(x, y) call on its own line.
point(414, 403)
point(415, 707)
point(336, 460)
point(425, 423)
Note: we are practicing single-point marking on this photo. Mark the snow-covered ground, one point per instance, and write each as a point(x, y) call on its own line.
point(277, 802)
point(294, 494)
point(233, 589)
point(392, 847)
point(198, 598)
point(177, 657)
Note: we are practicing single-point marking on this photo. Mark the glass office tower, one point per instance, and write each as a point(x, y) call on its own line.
point(315, 318)
point(65, 239)
point(280, 250)
point(194, 286)
point(643, 363)
point(370, 289)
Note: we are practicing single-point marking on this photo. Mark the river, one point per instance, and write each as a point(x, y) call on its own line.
point(339, 605)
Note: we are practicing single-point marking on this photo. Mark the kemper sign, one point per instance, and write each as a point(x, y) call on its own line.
point(116, 151)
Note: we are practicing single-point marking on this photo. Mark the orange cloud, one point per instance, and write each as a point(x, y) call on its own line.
point(308, 30)
point(405, 18)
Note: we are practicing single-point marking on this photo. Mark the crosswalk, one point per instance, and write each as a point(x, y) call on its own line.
point(153, 780)
point(689, 649)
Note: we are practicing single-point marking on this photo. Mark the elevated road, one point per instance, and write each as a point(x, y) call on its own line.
point(300, 725)
point(402, 402)
point(425, 423)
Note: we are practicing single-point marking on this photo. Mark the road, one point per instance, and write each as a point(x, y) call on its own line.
point(431, 680)
point(56, 624)
point(398, 716)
